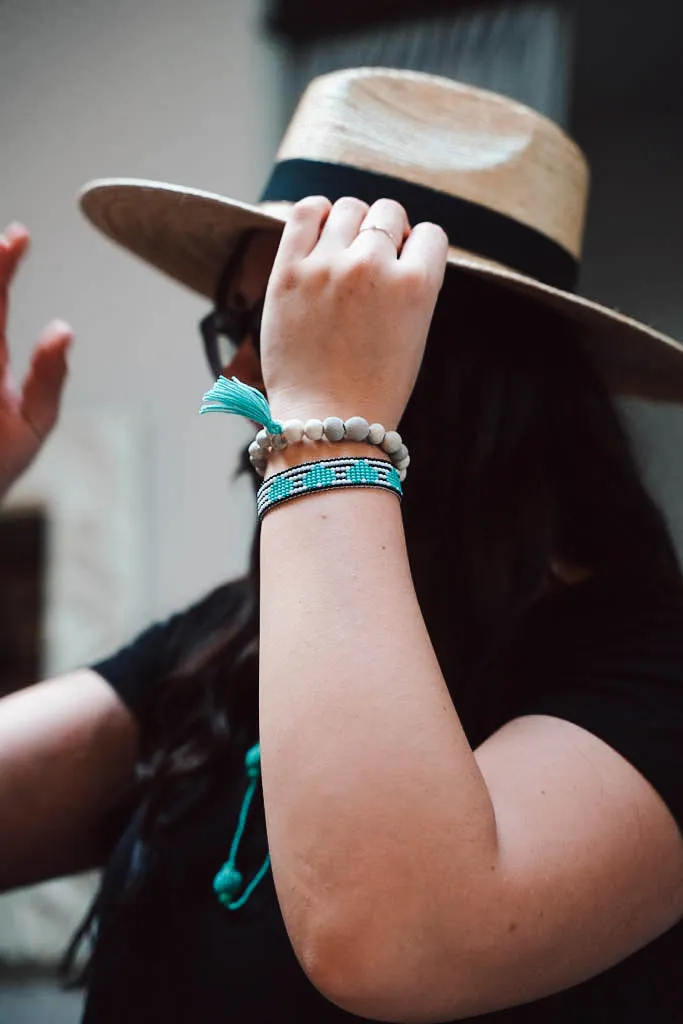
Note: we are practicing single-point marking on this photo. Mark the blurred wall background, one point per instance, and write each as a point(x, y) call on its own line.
point(157, 89)
point(627, 114)
point(146, 516)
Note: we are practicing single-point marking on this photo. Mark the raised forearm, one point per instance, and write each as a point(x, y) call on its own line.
point(367, 771)
point(371, 788)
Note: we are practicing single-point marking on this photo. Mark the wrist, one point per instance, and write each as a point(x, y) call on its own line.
point(319, 405)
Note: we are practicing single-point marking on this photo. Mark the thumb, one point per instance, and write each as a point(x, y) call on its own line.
point(42, 388)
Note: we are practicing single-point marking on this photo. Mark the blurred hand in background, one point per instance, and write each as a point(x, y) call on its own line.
point(27, 412)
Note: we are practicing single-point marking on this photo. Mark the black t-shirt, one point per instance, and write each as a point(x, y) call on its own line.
point(597, 654)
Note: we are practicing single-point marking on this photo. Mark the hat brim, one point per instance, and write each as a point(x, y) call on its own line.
point(188, 234)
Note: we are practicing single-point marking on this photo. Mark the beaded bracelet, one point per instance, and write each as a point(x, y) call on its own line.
point(232, 396)
point(326, 475)
point(333, 429)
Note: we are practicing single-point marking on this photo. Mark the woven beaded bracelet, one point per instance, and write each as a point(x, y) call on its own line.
point(326, 475)
point(232, 396)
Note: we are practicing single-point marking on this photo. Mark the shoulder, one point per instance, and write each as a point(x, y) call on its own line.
point(169, 644)
point(609, 659)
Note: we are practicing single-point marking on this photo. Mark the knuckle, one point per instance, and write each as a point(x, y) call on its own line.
point(429, 227)
point(309, 205)
point(414, 280)
point(392, 207)
point(351, 204)
point(285, 280)
point(363, 268)
point(319, 272)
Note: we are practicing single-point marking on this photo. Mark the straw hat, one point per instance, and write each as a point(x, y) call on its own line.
point(507, 185)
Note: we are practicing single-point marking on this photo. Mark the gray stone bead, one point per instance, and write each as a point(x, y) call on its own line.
point(293, 431)
point(258, 458)
point(313, 430)
point(398, 456)
point(392, 442)
point(376, 433)
point(357, 428)
point(278, 442)
point(334, 428)
point(402, 463)
point(263, 439)
point(402, 474)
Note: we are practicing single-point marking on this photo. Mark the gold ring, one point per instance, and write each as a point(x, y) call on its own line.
point(376, 227)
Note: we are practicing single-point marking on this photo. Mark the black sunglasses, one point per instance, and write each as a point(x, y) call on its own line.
point(223, 330)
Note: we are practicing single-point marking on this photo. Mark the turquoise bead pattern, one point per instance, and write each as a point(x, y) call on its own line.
point(279, 489)
point(318, 475)
point(393, 479)
point(325, 475)
point(362, 473)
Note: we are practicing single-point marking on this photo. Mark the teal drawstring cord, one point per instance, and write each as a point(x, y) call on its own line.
point(232, 396)
point(228, 880)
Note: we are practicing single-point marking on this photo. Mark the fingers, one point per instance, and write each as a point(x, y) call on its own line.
point(425, 251)
point(316, 225)
point(384, 229)
point(42, 389)
point(342, 225)
point(13, 244)
point(302, 230)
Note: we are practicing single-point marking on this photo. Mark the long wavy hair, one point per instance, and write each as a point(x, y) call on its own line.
point(519, 457)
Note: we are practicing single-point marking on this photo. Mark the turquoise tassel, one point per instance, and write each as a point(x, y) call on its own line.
point(235, 397)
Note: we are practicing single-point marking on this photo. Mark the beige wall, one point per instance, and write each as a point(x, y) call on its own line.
point(166, 89)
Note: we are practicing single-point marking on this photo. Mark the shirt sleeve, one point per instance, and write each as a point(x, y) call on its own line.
point(133, 669)
point(629, 693)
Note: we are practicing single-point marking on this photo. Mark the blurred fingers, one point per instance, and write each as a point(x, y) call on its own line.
point(13, 244)
point(44, 383)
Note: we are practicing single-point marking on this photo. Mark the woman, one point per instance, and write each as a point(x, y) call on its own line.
point(469, 712)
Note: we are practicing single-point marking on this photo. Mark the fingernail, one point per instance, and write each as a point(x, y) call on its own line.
point(59, 326)
point(12, 231)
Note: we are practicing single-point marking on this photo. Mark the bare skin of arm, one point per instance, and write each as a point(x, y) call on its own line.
point(67, 753)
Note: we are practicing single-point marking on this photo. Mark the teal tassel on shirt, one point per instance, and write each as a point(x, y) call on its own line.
point(233, 396)
point(228, 880)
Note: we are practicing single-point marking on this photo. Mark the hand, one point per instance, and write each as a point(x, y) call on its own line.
point(28, 413)
point(346, 316)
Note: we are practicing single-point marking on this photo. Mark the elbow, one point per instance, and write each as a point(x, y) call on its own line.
point(376, 973)
point(346, 978)
point(341, 958)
